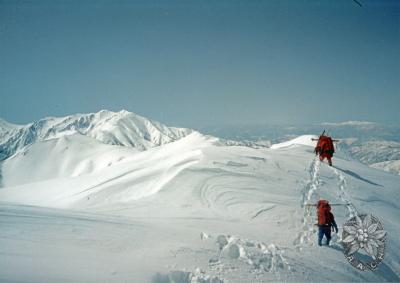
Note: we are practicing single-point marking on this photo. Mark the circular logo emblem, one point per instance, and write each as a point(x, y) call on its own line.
point(364, 241)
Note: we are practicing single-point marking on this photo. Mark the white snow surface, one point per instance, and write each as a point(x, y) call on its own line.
point(116, 128)
point(392, 166)
point(74, 209)
point(379, 154)
point(301, 140)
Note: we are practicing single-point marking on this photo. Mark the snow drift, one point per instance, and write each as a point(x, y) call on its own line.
point(76, 208)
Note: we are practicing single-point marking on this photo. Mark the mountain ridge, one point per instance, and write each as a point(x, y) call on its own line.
point(116, 128)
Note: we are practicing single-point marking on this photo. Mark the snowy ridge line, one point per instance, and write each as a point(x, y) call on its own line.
point(121, 128)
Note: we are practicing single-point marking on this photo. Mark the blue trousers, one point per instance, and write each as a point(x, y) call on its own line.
point(324, 230)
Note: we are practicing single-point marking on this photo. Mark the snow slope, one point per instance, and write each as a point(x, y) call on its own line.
point(380, 154)
point(367, 142)
point(67, 156)
point(302, 140)
point(193, 209)
point(374, 151)
point(116, 128)
point(392, 166)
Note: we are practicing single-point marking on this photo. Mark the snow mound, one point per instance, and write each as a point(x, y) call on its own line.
point(198, 276)
point(301, 140)
point(260, 256)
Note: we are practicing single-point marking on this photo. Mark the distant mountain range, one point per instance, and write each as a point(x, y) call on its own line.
point(374, 144)
point(361, 130)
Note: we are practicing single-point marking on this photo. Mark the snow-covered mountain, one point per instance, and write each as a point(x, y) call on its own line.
point(380, 154)
point(76, 208)
point(361, 130)
point(392, 166)
point(115, 128)
point(368, 142)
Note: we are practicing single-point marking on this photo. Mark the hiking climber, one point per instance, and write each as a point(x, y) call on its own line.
point(326, 221)
point(325, 148)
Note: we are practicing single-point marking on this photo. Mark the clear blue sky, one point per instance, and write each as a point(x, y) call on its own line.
point(194, 63)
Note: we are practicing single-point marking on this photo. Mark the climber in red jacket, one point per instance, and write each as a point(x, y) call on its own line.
point(325, 148)
point(326, 221)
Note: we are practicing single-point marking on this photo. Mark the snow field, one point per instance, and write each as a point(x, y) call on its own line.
point(140, 218)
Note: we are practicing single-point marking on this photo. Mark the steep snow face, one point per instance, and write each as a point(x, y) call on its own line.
point(116, 128)
point(7, 131)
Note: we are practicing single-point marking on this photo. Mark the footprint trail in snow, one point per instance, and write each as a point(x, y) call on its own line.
point(309, 195)
point(343, 195)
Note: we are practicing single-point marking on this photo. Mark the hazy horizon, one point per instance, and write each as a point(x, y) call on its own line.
point(227, 124)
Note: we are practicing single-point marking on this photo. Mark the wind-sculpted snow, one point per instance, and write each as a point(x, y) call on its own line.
point(192, 209)
point(100, 175)
point(115, 128)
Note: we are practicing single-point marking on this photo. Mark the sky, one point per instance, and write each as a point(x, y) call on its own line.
point(197, 63)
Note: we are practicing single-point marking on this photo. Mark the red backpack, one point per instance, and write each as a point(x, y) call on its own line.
point(329, 145)
point(325, 143)
point(325, 217)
